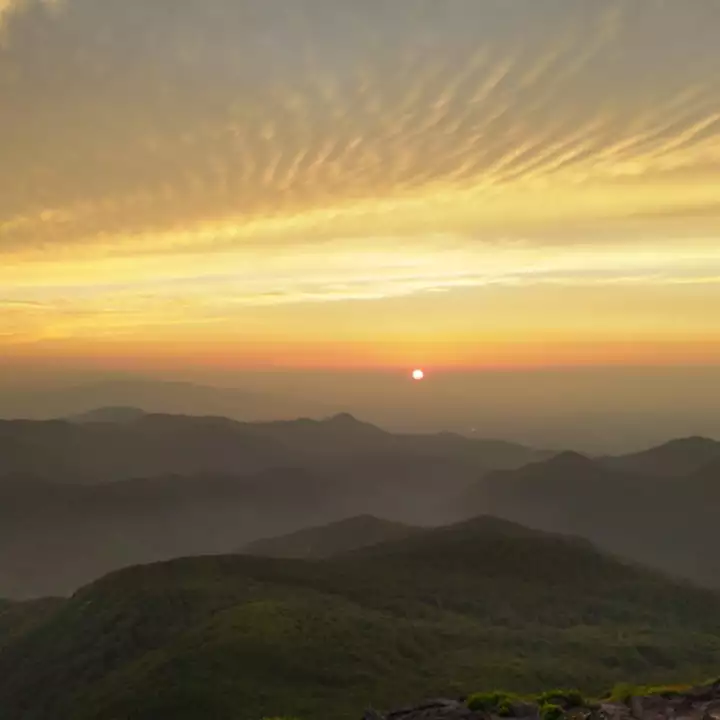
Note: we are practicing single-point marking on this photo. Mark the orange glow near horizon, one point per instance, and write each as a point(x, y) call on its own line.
point(352, 357)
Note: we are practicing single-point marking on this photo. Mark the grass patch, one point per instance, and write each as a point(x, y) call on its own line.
point(551, 712)
point(497, 702)
point(562, 698)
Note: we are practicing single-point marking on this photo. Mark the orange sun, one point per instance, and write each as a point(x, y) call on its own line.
point(418, 374)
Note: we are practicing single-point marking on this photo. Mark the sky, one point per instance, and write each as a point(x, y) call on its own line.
point(210, 186)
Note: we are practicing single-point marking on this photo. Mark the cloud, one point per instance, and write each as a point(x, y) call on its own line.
point(179, 162)
point(6, 6)
point(246, 115)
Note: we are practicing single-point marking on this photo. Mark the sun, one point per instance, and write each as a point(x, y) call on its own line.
point(418, 374)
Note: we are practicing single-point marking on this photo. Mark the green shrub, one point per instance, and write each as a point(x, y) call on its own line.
point(504, 708)
point(563, 698)
point(551, 712)
point(622, 692)
point(498, 702)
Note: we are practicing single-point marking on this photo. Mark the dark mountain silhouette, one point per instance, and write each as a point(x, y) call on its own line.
point(165, 444)
point(18, 618)
point(56, 537)
point(155, 396)
point(434, 614)
point(62, 451)
point(159, 486)
point(663, 521)
point(109, 415)
point(673, 459)
point(80, 499)
point(332, 539)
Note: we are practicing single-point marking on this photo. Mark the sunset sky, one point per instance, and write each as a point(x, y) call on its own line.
point(241, 184)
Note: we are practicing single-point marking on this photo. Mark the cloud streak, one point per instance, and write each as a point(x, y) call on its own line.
point(189, 161)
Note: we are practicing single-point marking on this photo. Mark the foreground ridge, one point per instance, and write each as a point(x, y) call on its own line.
point(700, 702)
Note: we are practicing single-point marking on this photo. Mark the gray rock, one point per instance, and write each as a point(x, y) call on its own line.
point(700, 703)
point(527, 710)
point(436, 710)
point(613, 711)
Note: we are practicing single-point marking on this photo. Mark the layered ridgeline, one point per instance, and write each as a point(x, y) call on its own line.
point(335, 538)
point(117, 487)
point(438, 613)
point(658, 507)
point(114, 444)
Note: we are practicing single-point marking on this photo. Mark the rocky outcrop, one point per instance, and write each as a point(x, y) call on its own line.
point(697, 703)
point(433, 710)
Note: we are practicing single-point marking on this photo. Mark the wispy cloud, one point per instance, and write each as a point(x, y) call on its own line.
point(165, 163)
point(110, 300)
point(193, 117)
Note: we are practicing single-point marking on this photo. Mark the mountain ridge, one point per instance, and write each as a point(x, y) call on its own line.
point(242, 637)
point(333, 539)
point(661, 520)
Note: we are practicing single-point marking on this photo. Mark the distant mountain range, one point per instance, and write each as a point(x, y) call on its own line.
point(119, 486)
point(155, 396)
point(55, 537)
point(141, 445)
point(118, 414)
point(339, 537)
point(442, 612)
point(658, 507)
point(673, 459)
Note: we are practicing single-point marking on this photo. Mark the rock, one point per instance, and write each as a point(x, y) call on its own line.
point(652, 706)
point(613, 711)
point(434, 710)
point(637, 707)
point(519, 709)
point(699, 703)
point(704, 693)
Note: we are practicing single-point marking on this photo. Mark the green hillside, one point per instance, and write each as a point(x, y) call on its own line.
point(442, 613)
point(17, 618)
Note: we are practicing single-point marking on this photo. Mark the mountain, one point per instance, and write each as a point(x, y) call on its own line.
point(663, 521)
point(62, 451)
point(79, 499)
point(333, 539)
point(673, 459)
point(431, 615)
point(109, 415)
point(157, 397)
point(56, 537)
point(154, 444)
point(18, 618)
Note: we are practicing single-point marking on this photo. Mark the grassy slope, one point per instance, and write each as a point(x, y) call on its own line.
point(484, 604)
point(18, 618)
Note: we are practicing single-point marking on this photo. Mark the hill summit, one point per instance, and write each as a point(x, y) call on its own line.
point(432, 614)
